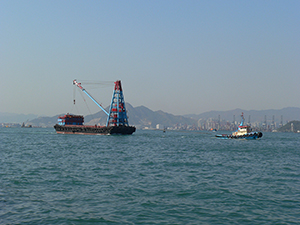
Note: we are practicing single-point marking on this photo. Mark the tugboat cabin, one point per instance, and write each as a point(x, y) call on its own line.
point(242, 130)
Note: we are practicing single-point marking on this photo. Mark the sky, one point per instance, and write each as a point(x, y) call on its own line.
point(182, 57)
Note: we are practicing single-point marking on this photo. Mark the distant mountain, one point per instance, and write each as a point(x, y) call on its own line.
point(139, 116)
point(142, 116)
point(15, 117)
point(44, 121)
point(292, 126)
point(288, 114)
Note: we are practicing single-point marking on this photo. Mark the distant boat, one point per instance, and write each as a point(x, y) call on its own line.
point(242, 132)
point(26, 126)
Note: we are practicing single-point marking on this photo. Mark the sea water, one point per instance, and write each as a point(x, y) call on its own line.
point(150, 177)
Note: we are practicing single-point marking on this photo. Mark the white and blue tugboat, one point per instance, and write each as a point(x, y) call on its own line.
point(243, 132)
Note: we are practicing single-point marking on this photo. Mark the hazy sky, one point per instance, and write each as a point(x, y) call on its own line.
point(178, 56)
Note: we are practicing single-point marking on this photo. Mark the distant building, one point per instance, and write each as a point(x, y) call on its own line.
point(159, 126)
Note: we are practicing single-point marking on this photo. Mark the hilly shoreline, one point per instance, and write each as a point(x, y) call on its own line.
point(143, 117)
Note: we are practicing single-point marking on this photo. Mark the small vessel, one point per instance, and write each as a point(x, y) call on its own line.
point(117, 121)
point(26, 126)
point(242, 132)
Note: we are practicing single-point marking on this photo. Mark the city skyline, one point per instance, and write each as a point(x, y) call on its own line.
point(176, 56)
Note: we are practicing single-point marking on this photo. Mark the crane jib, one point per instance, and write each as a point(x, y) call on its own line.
point(79, 85)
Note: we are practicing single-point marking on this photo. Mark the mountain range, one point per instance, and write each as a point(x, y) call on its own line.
point(142, 116)
point(15, 117)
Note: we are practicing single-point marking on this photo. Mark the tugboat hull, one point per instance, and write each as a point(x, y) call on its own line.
point(249, 136)
point(93, 130)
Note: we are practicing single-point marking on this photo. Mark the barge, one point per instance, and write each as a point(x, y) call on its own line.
point(117, 121)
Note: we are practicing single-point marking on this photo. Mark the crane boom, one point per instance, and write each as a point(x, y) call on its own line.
point(99, 105)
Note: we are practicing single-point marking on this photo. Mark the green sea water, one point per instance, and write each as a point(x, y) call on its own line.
point(149, 177)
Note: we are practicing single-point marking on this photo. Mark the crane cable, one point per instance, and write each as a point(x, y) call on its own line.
point(74, 101)
point(85, 102)
point(74, 95)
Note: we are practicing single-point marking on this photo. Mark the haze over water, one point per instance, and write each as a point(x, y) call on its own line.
point(150, 177)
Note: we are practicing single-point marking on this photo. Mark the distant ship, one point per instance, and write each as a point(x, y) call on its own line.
point(26, 126)
point(242, 132)
point(117, 121)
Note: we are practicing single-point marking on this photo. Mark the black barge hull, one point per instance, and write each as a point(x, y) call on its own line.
point(96, 130)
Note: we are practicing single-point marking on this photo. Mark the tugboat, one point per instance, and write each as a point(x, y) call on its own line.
point(117, 121)
point(242, 132)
